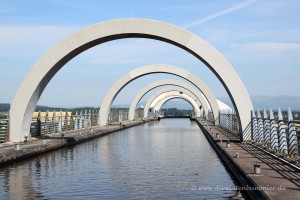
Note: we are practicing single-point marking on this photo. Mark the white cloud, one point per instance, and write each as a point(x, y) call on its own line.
point(271, 48)
point(221, 13)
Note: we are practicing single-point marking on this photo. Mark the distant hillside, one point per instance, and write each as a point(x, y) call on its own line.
point(261, 102)
point(4, 107)
point(273, 102)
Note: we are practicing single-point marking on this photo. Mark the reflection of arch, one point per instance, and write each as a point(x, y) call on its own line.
point(150, 69)
point(54, 59)
point(156, 84)
point(171, 92)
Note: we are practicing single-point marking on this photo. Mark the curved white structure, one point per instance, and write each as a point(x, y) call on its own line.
point(157, 100)
point(172, 92)
point(52, 61)
point(145, 90)
point(151, 69)
point(182, 96)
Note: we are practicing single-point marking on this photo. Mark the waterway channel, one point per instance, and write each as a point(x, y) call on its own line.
point(166, 159)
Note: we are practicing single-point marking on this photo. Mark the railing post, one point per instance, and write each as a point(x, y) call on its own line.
point(266, 129)
point(76, 121)
point(47, 122)
point(254, 127)
point(260, 127)
point(54, 122)
point(282, 134)
point(85, 119)
point(60, 121)
point(80, 120)
point(274, 134)
point(292, 137)
point(67, 121)
point(120, 115)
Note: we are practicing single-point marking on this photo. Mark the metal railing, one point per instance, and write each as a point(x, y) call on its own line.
point(228, 120)
point(54, 122)
point(277, 135)
point(3, 130)
point(117, 115)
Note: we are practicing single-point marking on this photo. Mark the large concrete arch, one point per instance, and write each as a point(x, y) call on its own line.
point(165, 100)
point(171, 92)
point(159, 83)
point(54, 59)
point(157, 108)
point(159, 98)
point(151, 69)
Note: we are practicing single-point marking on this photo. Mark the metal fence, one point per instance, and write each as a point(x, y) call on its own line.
point(228, 120)
point(139, 113)
point(279, 135)
point(53, 122)
point(3, 130)
point(117, 115)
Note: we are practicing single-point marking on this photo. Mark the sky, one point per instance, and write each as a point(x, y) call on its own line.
point(260, 38)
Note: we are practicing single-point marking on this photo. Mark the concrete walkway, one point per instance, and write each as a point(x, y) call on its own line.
point(280, 181)
point(35, 146)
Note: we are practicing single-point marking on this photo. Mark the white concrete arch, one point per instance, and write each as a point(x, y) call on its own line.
point(165, 100)
point(145, 90)
point(54, 59)
point(157, 100)
point(174, 91)
point(151, 69)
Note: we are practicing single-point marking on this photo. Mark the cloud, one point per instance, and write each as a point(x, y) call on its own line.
point(271, 48)
point(221, 13)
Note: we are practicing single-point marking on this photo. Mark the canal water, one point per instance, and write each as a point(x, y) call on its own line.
point(166, 159)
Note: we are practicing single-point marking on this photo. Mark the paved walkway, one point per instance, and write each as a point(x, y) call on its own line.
point(280, 180)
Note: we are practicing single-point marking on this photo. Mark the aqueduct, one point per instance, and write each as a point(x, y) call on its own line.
point(53, 60)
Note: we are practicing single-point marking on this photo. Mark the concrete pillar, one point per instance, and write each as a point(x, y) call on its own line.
point(274, 133)
point(292, 137)
point(254, 127)
point(282, 134)
point(267, 137)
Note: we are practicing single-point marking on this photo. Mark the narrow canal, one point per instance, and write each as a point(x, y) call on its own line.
point(167, 159)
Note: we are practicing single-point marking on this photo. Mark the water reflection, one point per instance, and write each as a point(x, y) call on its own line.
point(162, 159)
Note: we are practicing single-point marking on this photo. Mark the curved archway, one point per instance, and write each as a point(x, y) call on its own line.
point(54, 59)
point(171, 92)
point(157, 108)
point(165, 100)
point(151, 69)
point(164, 97)
point(173, 82)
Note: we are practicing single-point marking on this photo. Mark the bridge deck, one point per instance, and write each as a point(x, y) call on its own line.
point(274, 173)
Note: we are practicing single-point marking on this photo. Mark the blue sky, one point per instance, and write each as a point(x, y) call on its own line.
point(260, 38)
